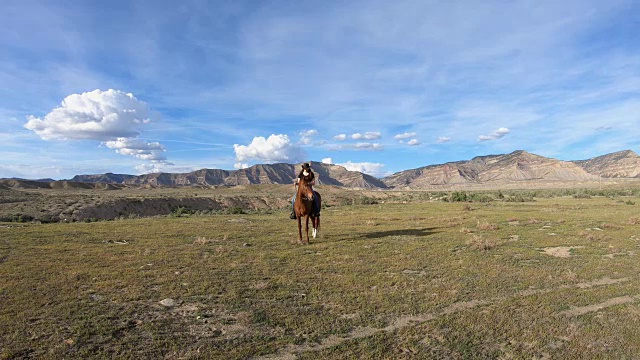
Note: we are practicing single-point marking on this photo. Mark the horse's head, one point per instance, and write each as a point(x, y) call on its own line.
point(304, 188)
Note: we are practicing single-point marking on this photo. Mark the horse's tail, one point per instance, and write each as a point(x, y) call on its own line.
point(317, 195)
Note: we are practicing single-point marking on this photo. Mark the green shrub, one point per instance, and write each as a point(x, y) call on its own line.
point(236, 210)
point(519, 198)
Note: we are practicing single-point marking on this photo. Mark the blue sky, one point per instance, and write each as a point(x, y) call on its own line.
point(377, 86)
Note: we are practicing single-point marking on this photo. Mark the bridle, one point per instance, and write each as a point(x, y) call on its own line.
point(308, 188)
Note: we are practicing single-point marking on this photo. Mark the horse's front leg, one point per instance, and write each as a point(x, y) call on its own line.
point(299, 229)
point(306, 228)
point(316, 226)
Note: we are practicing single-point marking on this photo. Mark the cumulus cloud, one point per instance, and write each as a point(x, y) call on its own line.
point(306, 137)
point(443, 139)
point(340, 137)
point(366, 136)
point(413, 142)
point(404, 136)
point(96, 115)
point(276, 148)
point(495, 135)
point(327, 161)
point(112, 117)
point(373, 169)
point(139, 149)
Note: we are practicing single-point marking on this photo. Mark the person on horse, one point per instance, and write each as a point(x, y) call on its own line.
point(311, 178)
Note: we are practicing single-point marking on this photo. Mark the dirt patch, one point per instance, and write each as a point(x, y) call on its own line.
point(576, 311)
point(601, 282)
point(560, 251)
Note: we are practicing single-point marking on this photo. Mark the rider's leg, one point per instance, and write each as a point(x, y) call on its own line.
point(293, 213)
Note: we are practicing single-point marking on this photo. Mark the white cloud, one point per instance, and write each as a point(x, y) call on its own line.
point(404, 136)
point(340, 137)
point(29, 171)
point(373, 169)
point(369, 146)
point(357, 146)
point(327, 161)
point(276, 148)
point(240, 165)
point(149, 168)
point(110, 116)
point(496, 134)
point(137, 148)
point(413, 142)
point(443, 139)
point(306, 137)
point(96, 115)
point(366, 136)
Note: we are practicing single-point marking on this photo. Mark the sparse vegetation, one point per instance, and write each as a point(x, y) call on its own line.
point(236, 210)
point(487, 226)
point(481, 243)
point(421, 279)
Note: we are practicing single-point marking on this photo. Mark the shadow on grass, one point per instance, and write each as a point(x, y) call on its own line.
point(402, 232)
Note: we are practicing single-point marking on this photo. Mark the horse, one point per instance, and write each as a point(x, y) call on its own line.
point(303, 206)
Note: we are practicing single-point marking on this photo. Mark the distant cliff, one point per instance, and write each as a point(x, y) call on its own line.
point(258, 174)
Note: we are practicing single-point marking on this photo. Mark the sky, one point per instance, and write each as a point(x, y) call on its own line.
point(132, 87)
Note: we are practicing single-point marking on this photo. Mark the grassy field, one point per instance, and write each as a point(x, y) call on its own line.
point(551, 278)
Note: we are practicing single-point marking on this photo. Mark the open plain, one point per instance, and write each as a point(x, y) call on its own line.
point(539, 273)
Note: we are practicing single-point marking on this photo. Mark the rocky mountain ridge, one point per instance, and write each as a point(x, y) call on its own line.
point(517, 167)
point(621, 164)
point(280, 173)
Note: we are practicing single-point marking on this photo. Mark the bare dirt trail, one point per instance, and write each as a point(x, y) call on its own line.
point(290, 351)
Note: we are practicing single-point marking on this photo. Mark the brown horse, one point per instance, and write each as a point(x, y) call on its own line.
point(303, 206)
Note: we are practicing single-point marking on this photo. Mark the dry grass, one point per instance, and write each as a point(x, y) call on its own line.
point(589, 236)
point(201, 240)
point(404, 288)
point(481, 243)
point(487, 226)
point(611, 226)
point(465, 230)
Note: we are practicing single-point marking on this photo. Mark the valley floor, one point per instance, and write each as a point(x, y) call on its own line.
point(549, 278)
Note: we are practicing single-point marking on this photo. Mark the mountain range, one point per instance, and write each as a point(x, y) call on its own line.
point(517, 167)
point(258, 174)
